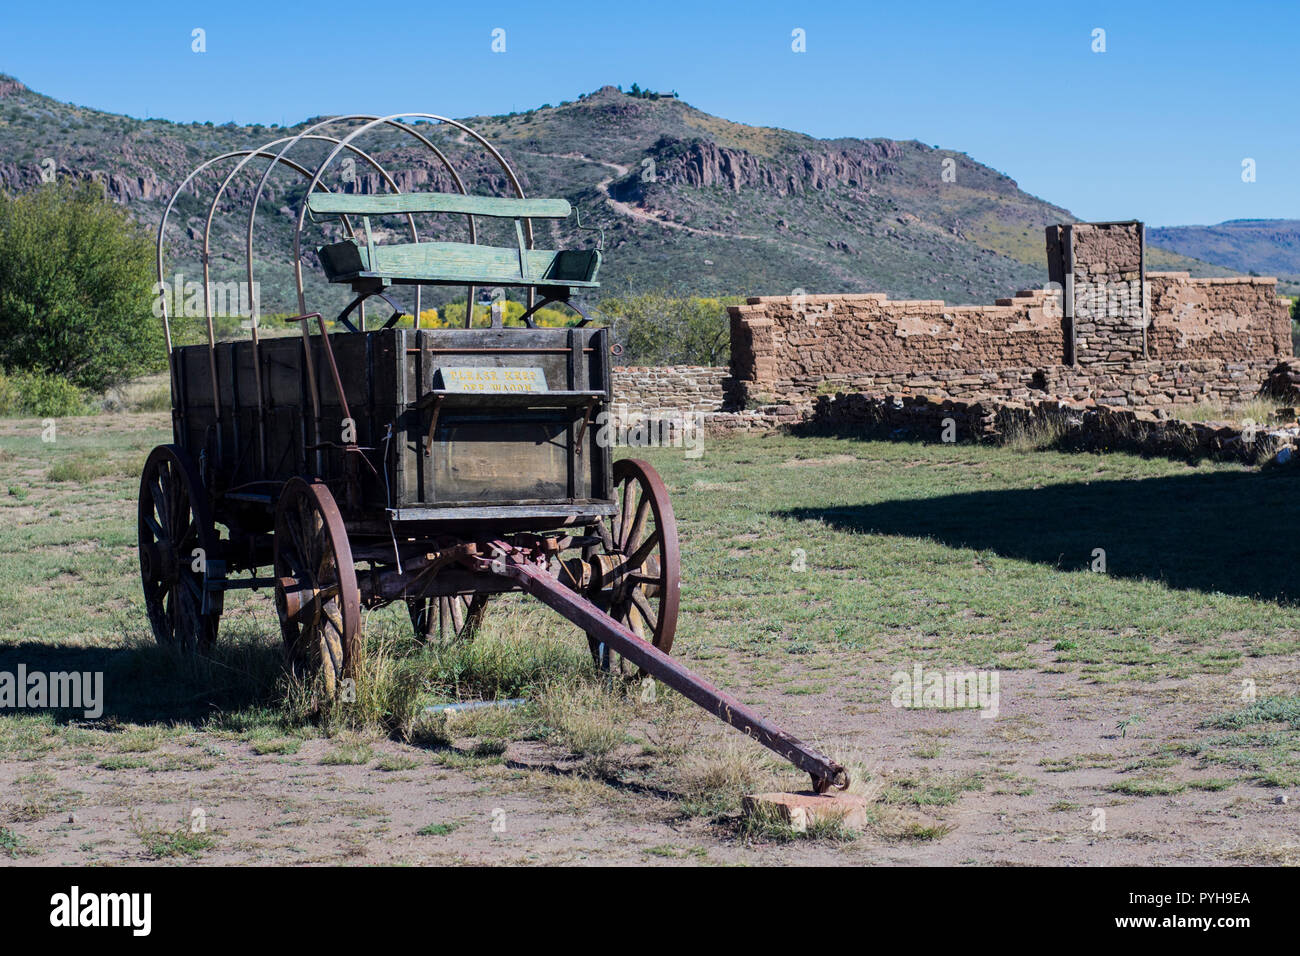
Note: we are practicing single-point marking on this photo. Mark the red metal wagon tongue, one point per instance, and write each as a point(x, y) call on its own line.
point(516, 565)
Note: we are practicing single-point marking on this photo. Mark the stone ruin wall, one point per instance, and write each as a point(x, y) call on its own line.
point(1233, 319)
point(785, 348)
point(697, 387)
point(1125, 337)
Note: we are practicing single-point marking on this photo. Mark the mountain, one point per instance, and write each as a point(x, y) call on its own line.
point(688, 202)
point(1266, 246)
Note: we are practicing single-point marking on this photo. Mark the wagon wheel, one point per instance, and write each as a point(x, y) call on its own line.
point(316, 591)
point(446, 618)
point(639, 582)
point(176, 533)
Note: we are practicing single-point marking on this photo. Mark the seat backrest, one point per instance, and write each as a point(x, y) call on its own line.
point(449, 262)
point(382, 204)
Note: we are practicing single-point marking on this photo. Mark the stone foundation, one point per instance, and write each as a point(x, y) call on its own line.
point(1101, 428)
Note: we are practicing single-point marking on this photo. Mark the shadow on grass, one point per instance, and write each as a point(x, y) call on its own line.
point(150, 684)
point(1231, 532)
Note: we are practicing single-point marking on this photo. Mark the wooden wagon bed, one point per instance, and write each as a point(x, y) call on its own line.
point(434, 446)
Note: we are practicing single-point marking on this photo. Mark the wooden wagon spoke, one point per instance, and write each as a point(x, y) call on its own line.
point(625, 515)
point(297, 552)
point(642, 604)
point(634, 533)
point(637, 557)
point(332, 642)
point(151, 522)
point(192, 585)
point(325, 566)
point(161, 507)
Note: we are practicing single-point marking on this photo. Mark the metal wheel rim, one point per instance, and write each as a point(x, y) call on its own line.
point(648, 597)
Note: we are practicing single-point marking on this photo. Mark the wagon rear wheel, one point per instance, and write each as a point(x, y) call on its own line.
point(316, 591)
point(444, 619)
point(177, 542)
point(639, 583)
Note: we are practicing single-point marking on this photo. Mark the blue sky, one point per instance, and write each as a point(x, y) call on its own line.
point(1156, 127)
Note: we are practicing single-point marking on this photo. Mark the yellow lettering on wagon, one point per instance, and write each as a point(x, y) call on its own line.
point(491, 379)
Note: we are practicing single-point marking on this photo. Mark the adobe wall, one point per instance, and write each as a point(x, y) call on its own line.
point(1098, 427)
point(1093, 336)
point(784, 345)
point(1232, 319)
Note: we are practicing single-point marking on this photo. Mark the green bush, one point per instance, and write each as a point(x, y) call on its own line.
point(11, 400)
point(75, 289)
point(40, 395)
point(655, 328)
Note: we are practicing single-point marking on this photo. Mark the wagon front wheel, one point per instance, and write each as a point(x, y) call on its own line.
point(179, 552)
point(639, 583)
point(316, 592)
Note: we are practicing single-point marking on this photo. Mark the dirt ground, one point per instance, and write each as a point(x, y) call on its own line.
point(536, 808)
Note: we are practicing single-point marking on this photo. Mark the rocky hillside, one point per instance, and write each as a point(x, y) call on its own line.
point(688, 202)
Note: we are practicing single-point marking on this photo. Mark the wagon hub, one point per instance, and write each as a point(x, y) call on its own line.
point(159, 561)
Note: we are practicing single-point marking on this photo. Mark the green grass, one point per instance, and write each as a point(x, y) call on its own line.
point(1147, 788)
point(12, 845)
point(764, 826)
point(1270, 710)
point(973, 555)
point(930, 791)
point(1260, 411)
point(437, 829)
point(286, 746)
point(164, 844)
point(1260, 741)
point(347, 755)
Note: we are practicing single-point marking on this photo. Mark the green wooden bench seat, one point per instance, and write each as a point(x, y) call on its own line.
point(367, 266)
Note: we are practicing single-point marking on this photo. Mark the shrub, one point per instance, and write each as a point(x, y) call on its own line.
point(452, 316)
point(11, 400)
point(659, 329)
point(41, 395)
point(75, 281)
